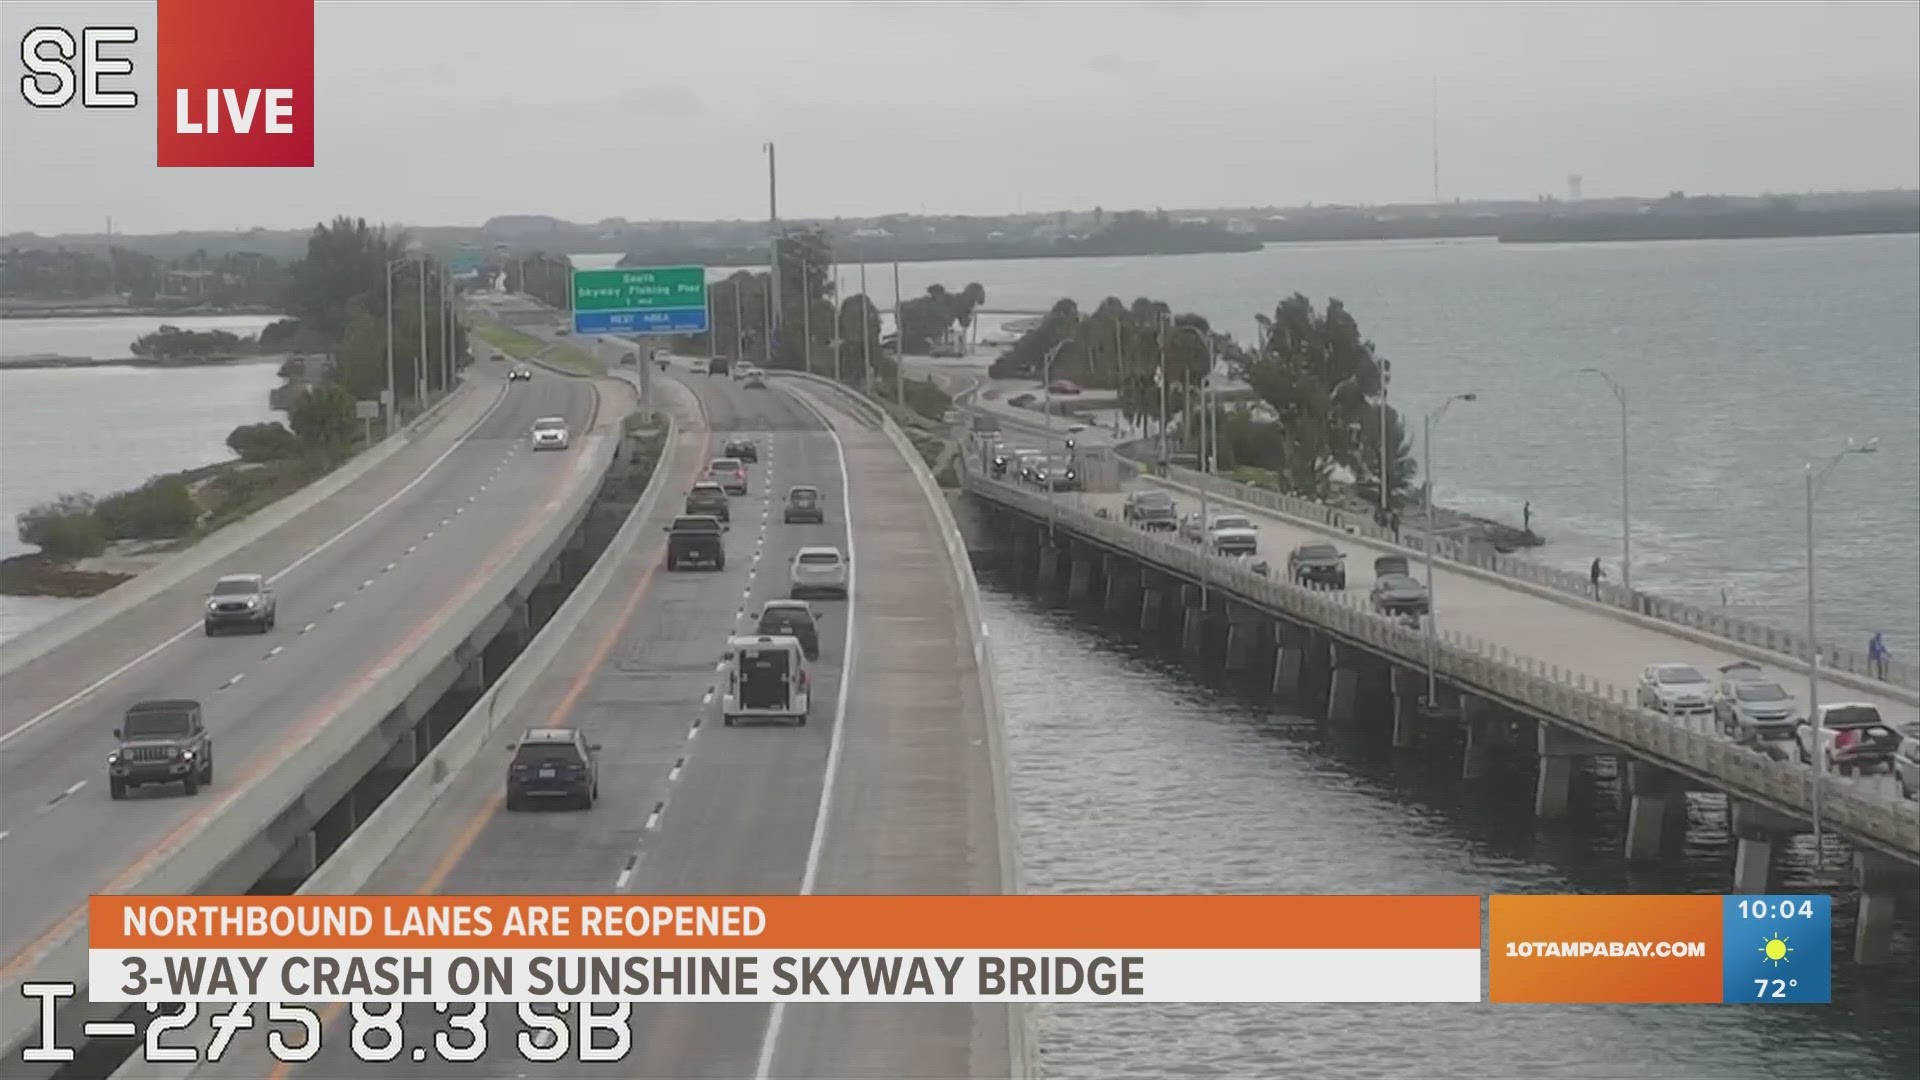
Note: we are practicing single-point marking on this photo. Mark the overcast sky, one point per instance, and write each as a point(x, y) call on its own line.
point(450, 112)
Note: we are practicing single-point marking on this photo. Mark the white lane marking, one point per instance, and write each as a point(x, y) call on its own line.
point(275, 651)
point(308, 627)
point(4, 834)
point(443, 521)
point(411, 548)
point(777, 1014)
point(365, 584)
point(337, 605)
point(626, 875)
point(653, 820)
point(674, 773)
point(72, 789)
point(388, 569)
point(430, 533)
point(235, 681)
point(459, 509)
point(693, 732)
point(110, 676)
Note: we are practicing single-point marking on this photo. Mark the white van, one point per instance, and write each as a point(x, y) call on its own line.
point(766, 678)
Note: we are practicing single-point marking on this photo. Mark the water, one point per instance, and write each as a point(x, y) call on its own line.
point(1130, 776)
point(101, 430)
point(1742, 360)
point(109, 337)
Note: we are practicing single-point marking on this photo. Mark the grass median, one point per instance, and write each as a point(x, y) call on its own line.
point(524, 346)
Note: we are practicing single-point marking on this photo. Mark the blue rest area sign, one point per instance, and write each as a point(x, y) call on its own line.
point(640, 300)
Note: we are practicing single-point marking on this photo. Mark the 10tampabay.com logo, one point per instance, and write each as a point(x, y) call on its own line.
point(233, 79)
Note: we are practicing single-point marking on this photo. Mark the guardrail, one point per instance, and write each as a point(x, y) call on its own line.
point(201, 856)
point(1021, 1045)
point(1603, 712)
point(176, 568)
point(1903, 679)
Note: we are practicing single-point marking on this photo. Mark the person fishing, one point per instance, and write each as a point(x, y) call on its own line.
point(1877, 656)
point(1594, 574)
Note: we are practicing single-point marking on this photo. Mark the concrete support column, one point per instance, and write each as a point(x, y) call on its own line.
point(1246, 631)
point(1050, 558)
point(1488, 731)
point(1759, 831)
point(1153, 601)
point(1122, 584)
point(1552, 788)
point(546, 600)
point(1414, 718)
point(1881, 878)
point(1193, 630)
point(473, 673)
point(402, 756)
point(1288, 663)
point(1343, 691)
point(1655, 794)
point(297, 864)
point(1080, 574)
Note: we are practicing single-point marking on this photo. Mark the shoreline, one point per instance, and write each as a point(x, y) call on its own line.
point(81, 311)
point(46, 362)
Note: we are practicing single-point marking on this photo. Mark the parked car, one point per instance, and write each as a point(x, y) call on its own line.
point(794, 618)
point(1063, 386)
point(1154, 511)
point(804, 504)
point(550, 433)
point(816, 571)
point(744, 449)
point(1855, 740)
point(1675, 688)
point(730, 474)
point(554, 763)
point(1233, 534)
point(1399, 595)
point(710, 498)
point(1748, 705)
point(1906, 761)
point(160, 742)
point(1317, 565)
point(243, 601)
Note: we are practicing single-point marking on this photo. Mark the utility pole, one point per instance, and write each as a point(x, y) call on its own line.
point(773, 265)
point(393, 396)
point(420, 365)
point(866, 332)
point(1436, 140)
point(899, 343)
point(739, 324)
point(806, 321)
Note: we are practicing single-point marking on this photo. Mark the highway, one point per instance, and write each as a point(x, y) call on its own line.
point(360, 579)
point(888, 788)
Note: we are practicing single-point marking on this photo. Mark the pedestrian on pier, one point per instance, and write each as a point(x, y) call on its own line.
point(1526, 518)
point(1393, 522)
point(1877, 656)
point(1594, 573)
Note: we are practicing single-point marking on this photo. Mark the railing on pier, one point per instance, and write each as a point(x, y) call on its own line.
point(1604, 712)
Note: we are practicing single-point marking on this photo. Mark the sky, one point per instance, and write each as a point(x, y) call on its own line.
point(448, 112)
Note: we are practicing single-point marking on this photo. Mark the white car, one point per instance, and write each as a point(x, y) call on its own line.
point(520, 374)
point(1853, 738)
point(816, 571)
point(1675, 688)
point(1233, 534)
point(550, 433)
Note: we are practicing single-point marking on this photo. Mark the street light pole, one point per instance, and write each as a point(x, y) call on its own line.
point(393, 397)
point(1433, 608)
point(1207, 454)
point(866, 332)
point(806, 320)
point(1162, 380)
point(899, 343)
point(1046, 377)
point(1813, 641)
point(1386, 461)
point(420, 368)
point(1626, 529)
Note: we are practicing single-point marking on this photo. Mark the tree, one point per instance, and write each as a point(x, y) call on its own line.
point(160, 509)
point(323, 417)
point(262, 442)
point(63, 529)
point(1320, 378)
point(344, 260)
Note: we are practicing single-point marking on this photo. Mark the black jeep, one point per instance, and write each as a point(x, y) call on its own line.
point(161, 742)
point(694, 540)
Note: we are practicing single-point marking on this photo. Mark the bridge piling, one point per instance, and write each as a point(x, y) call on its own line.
point(1881, 878)
point(1122, 578)
point(1080, 571)
point(1757, 831)
point(1343, 692)
point(1656, 795)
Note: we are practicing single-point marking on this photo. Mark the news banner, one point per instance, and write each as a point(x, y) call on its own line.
point(559, 976)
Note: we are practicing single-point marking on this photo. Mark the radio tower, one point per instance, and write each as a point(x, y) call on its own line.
point(1436, 140)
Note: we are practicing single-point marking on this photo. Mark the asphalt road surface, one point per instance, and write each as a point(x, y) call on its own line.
point(359, 580)
point(688, 806)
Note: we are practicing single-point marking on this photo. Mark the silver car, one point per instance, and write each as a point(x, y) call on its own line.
point(550, 433)
point(1906, 761)
point(1675, 688)
point(1748, 705)
point(817, 571)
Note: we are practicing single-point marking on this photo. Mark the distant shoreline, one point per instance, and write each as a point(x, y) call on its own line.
point(31, 310)
point(45, 362)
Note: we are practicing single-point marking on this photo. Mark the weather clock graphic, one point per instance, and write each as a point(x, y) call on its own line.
point(1777, 950)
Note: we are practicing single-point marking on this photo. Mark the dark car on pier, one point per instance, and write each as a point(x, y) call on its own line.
point(1318, 565)
point(1399, 594)
point(1154, 511)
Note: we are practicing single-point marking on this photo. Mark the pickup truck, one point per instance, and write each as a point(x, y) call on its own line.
point(1855, 739)
point(695, 540)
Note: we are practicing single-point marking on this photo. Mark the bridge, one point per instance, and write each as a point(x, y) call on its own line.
point(359, 751)
point(1526, 672)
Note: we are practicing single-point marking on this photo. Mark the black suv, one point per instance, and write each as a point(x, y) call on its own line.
point(803, 504)
point(241, 600)
point(742, 449)
point(794, 618)
point(1318, 564)
point(554, 763)
point(694, 540)
point(710, 499)
point(161, 742)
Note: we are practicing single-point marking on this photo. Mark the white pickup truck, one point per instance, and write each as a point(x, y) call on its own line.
point(1852, 736)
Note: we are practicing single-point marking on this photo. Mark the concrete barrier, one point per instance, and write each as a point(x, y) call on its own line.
point(222, 543)
point(219, 853)
point(1021, 1046)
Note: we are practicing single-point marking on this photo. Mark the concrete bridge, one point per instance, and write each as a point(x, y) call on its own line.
point(1525, 677)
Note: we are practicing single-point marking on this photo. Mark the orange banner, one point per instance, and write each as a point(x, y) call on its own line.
point(785, 922)
point(1604, 949)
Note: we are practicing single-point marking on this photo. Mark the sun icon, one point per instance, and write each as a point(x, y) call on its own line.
point(1775, 949)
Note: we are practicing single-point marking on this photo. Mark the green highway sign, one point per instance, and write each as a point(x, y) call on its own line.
point(640, 300)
